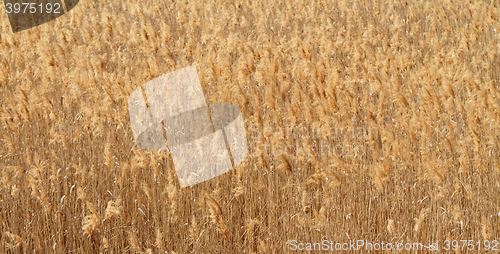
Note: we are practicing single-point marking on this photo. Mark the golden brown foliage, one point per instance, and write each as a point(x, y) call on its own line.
point(373, 120)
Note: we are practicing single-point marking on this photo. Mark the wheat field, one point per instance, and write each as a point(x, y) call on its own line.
point(366, 120)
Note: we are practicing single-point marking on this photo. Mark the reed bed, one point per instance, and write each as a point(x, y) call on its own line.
point(366, 120)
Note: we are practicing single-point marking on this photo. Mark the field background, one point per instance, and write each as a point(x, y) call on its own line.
point(419, 79)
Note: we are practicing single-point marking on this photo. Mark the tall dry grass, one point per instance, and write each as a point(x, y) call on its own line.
point(420, 78)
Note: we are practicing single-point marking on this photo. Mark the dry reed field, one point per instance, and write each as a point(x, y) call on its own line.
point(366, 120)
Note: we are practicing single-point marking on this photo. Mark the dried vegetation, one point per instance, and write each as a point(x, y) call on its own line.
point(420, 79)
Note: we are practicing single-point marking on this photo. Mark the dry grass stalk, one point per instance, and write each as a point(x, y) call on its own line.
point(421, 217)
point(92, 222)
point(216, 214)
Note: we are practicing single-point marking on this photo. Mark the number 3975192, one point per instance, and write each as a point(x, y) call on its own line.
point(33, 8)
